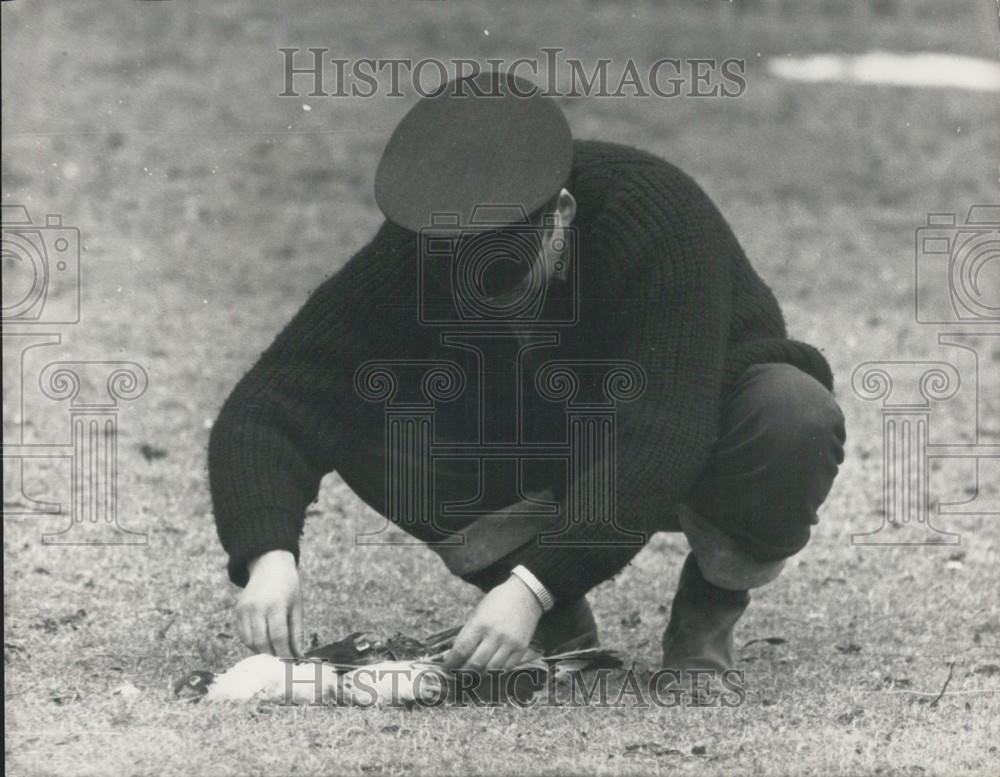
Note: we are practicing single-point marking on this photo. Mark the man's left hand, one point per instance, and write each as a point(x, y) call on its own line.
point(499, 631)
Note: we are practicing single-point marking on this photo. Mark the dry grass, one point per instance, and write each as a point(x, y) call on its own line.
point(209, 208)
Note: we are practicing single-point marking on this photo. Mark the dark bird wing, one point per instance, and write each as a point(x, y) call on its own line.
point(587, 658)
point(353, 650)
point(529, 677)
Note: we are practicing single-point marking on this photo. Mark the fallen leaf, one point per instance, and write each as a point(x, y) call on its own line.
point(851, 716)
point(987, 670)
point(60, 700)
point(151, 452)
point(767, 641)
point(648, 748)
point(849, 648)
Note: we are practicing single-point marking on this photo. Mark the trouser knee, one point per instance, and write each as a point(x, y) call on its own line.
point(780, 446)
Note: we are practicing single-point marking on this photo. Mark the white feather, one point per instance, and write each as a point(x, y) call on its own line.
point(273, 679)
point(393, 683)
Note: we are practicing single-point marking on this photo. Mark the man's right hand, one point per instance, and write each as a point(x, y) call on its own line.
point(269, 611)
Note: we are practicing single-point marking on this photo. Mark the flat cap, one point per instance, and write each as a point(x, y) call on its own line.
point(489, 139)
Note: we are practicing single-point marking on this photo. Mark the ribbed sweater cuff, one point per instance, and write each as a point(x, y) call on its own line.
point(569, 572)
point(264, 530)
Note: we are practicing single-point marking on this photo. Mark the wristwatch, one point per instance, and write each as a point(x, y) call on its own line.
point(542, 594)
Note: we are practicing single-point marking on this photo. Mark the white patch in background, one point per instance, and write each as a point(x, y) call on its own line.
point(127, 691)
point(949, 71)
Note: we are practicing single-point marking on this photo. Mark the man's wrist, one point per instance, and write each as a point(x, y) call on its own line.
point(285, 556)
point(542, 594)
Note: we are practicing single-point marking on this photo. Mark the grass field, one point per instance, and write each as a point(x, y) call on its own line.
point(209, 208)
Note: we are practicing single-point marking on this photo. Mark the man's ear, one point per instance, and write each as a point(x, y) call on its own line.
point(565, 208)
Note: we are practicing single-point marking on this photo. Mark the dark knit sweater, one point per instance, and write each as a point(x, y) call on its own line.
point(664, 283)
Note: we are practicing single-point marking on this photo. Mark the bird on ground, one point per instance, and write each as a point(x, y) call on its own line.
point(400, 671)
point(262, 677)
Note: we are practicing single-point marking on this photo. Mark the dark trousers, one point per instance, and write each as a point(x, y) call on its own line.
point(781, 440)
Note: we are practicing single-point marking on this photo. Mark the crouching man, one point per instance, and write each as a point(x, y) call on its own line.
point(609, 256)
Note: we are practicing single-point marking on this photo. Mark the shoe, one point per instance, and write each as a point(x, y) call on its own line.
point(568, 626)
point(702, 619)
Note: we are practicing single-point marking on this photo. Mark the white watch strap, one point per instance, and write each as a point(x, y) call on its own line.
point(542, 594)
